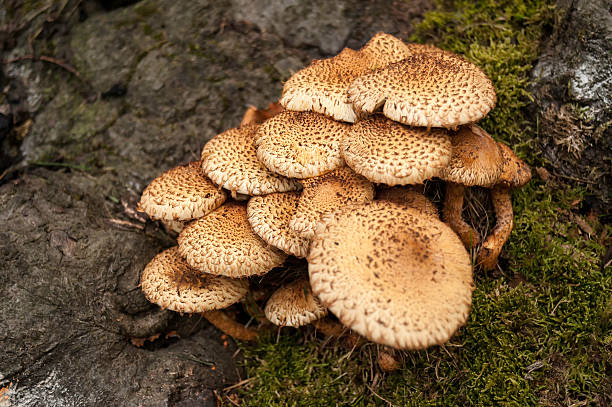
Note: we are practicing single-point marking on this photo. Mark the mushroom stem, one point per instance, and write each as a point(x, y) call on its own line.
point(333, 328)
point(491, 248)
point(452, 215)
point(229, 326)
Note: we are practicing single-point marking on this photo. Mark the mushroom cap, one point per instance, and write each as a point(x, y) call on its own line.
point(254, 115)
point(181, 193)
point(391, 274)
point(169, 282)
point(300, 144)
point(388, 152)
point(476, 159)
point(408, 196)
point(269, 217)
point(229, 159)
point(432, 89)
point(326, 193)
point(294, 305)
point(322, 86)
point(515, 172)
point(223, 243)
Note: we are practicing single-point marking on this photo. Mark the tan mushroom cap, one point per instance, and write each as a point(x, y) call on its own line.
point(182, 193)
point(294, 305)
point(326, 193)
point(405, 195)
point(300, 144)
point(223, 243)
point(322, 86)
point(515, 172)
point(476, 159)
point(432, 89)
point(229, 160)
point(169, 282)
point(269, 217)
point(388, 152)
point(391, 274)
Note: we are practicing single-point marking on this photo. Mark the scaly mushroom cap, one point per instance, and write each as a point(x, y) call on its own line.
point(229, 160)
point(322, 86)
point(391, 274)
point(326, 193)
point(300, 144)
point(408, 196)
point(182, 193)
point(223, 243)
point(388, 152)
point(269, 217)
point(432, 89)
point(476, 159)
point(294, 305)
point(169, 282)
point(515, 172)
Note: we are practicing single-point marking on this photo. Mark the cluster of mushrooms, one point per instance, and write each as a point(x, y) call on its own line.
point(332, 174)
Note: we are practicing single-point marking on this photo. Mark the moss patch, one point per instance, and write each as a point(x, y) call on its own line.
point(539, 331)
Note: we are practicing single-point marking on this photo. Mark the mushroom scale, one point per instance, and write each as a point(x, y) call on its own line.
point(405, 195)
point(269, 217)
point(390, 153)
point(300, 144)
point(180, 194)
point(391, 274)
point(171, 283)
point(431, 89)
point(294, 305)
point(223, 243)
point(229, 160)
point(326, 193)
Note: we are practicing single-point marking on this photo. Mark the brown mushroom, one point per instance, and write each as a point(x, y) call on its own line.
point(294, 305)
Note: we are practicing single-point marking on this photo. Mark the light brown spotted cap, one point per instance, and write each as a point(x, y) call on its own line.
point(223, 243)
point(294, 305)
point(182, 193)
point(169, 282)
point(515, 172)
point(431, 89)
point(300, 144)
point(229, 160)
point(476, 159)
point(269, 217)
point(391, 274)
point(322, 86)
point(407, 195)
point(326, 193)
point(388, 152)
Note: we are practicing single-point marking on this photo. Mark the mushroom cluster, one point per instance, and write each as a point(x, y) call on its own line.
point(333, 174)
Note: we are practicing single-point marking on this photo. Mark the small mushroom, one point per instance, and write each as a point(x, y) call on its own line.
point(391, 153)
point(326, 193)
point(180, 194)
point(431, 89)
point(229, 160)
point(300, 144)
point(391, 274)
point(294, 305)
point(269, 217)
point(223, 243)
point(408, 195)
point(169, 282)
point(476, 161)
point(515, 174)
point(254, 115)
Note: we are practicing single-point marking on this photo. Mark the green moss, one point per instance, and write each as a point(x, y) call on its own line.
point(539, 330)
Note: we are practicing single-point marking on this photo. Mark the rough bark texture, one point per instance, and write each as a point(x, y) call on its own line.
point(573, 95)
point(106, 95)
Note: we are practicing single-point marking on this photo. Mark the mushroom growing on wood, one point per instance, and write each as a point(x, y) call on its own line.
point(431, 89)
point(169, 282)
point(391, 274)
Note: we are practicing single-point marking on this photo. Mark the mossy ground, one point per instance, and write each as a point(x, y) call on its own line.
point(540, 328)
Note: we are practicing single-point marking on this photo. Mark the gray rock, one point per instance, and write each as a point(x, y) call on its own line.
point(70, 302)
point(573, 93)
